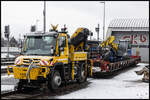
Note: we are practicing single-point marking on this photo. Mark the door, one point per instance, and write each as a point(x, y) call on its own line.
point(63, 49)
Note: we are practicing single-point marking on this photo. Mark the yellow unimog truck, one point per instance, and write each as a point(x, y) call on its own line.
point(52, 58)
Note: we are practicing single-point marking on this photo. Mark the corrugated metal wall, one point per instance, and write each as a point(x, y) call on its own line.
point(138, 38)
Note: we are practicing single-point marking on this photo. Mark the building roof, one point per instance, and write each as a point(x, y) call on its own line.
point(135, 23)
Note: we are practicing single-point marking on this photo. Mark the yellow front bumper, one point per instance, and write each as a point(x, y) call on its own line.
point(20, 72)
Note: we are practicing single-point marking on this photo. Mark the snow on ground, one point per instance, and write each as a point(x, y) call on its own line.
point(3, 55)
point(7, 87)
point(7, 83)
point(4, 67)
point(126, 85)
point(12, 49)
point(6, 76)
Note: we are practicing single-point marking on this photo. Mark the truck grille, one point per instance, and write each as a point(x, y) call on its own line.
point(26, 61)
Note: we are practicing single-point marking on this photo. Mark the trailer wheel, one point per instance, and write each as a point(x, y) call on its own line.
point(55, 81)
point(83, 74)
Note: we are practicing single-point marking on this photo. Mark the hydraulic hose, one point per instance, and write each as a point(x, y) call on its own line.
point(28, 71)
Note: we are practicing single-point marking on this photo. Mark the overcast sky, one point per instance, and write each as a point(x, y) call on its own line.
point(20, 15)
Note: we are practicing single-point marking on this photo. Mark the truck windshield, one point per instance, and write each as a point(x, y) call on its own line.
point(39, 45)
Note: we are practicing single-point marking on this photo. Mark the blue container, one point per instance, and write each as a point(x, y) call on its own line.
point(129, 52)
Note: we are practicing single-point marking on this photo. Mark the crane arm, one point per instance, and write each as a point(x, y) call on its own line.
point(110, 42)
point(79, 38)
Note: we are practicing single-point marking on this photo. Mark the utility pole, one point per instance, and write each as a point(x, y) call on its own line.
point(20, 41)
point(103, 20)
point(7, 33)
point(37, 25)
point(90, 37)
point(44, 16)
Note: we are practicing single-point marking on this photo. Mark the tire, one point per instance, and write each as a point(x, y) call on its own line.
point(83, 75)
point(54, 81)
point(19, 86)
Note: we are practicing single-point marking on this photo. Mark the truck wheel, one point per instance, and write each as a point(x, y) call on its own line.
point(89, 70)
point(83, 74)
point(54, 81)
point(19, 86)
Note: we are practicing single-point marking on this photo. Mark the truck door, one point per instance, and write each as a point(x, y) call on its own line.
point(63, 49)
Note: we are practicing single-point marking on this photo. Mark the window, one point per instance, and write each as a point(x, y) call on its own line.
point(62, 41)
point(40, 45)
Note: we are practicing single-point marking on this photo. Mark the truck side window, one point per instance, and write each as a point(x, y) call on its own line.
point(62, 41)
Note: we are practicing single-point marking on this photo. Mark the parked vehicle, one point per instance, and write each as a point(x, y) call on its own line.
point(52, 57)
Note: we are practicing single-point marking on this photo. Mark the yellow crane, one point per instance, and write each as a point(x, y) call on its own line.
point(110, 43)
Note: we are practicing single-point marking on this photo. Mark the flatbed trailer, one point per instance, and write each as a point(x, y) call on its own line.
point(101, 67)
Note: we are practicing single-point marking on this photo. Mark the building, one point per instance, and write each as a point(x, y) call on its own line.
point(134, 30)
point(13, 42)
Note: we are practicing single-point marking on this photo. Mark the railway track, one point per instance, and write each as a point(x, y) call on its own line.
point(5, 62)
point(45, 93)
point(19, 95)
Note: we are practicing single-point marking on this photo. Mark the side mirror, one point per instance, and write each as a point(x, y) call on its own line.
point(52, 49)
point(61, 48)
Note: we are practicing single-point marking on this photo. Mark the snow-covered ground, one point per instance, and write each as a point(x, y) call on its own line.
point(4, 67)
point(126, 85)
point(11, 49)
point(7, 87)
point(7, 82)
point(123, 86)
point(3, 55)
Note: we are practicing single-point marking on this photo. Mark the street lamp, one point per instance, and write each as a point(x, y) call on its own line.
point(97, 30)
point(44, 16)
point(103, 20)
point(7, 33)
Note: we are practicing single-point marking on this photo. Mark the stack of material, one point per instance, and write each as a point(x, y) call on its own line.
point(144, 71)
